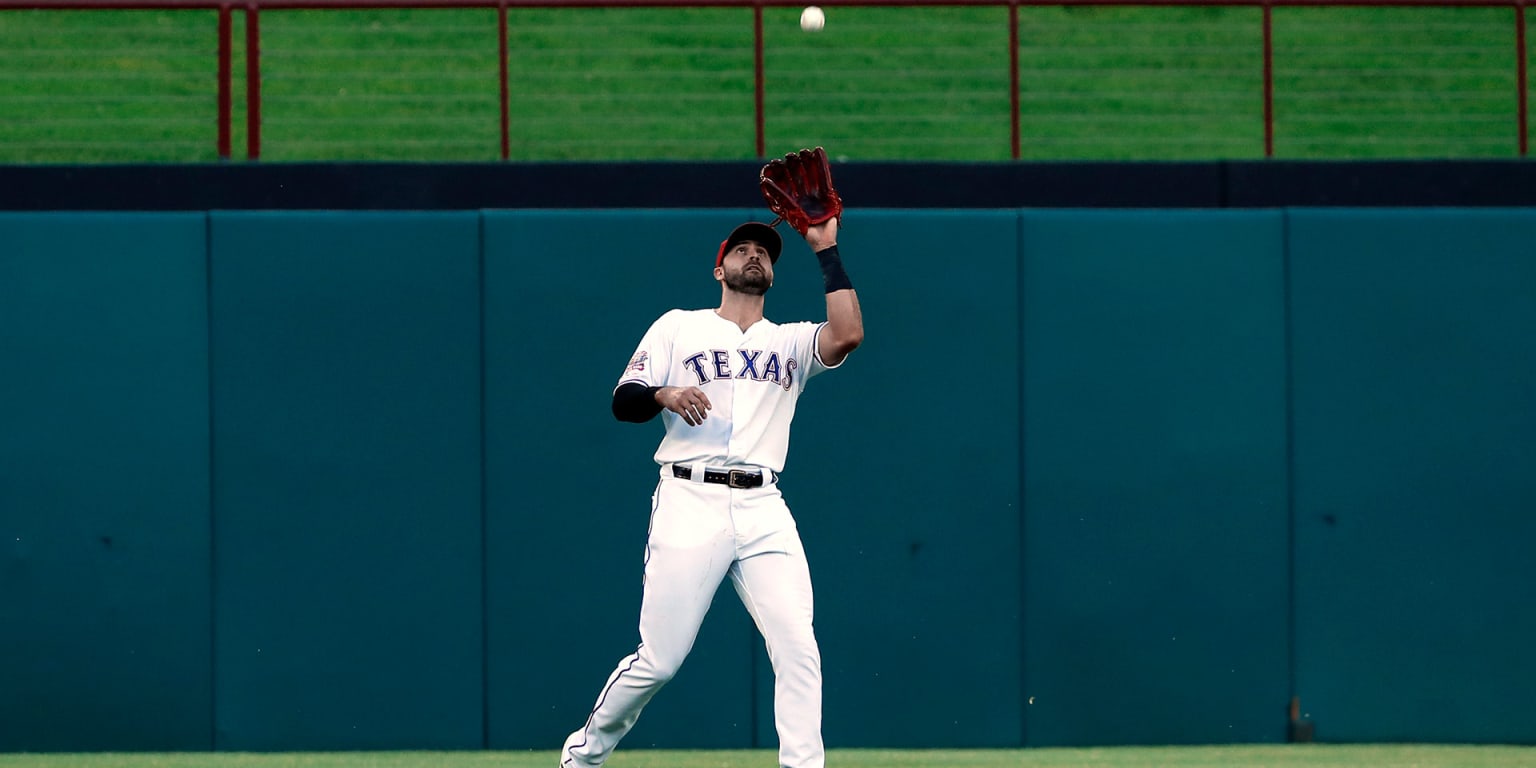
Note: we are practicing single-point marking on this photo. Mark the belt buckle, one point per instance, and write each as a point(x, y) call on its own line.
point(739, 478)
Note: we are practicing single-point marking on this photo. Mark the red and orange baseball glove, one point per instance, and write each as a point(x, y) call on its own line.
point(798, 187)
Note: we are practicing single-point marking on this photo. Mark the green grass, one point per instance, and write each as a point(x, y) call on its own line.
point(141, 89)
point(1396, 82)
point(1270, 756)
point(899, 83)
point(419, 84)
point(613, 84)
point(1138, 83)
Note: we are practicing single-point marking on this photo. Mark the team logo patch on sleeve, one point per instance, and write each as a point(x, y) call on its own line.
point(637, 363)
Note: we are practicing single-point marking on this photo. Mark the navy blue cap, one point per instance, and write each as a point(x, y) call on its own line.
point(758, 232)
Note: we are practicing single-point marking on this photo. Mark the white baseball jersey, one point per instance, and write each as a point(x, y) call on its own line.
point(752, 380)
point(702, 532)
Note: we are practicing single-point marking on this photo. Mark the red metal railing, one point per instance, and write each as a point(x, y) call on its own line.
point(1521, 109)
point(253, 8)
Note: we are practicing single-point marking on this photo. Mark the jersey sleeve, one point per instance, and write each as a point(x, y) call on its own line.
point(806, 337)
point(649, 365)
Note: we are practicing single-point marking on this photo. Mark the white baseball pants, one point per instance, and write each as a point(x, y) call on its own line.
point(700, 533)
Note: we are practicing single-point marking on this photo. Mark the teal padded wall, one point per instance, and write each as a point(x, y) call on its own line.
point(1415, 481)
point(1155, 550)
point(347, 526)
point(346, 480)
point(104, 569)
point(568, 296)
point(903, 475)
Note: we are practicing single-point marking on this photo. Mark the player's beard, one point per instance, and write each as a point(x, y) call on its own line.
point(750, 282)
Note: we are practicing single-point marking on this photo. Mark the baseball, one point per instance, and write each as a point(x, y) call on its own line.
point(812, 19)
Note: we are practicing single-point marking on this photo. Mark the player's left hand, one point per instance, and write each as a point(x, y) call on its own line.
point(822, 236)
point(798, 187)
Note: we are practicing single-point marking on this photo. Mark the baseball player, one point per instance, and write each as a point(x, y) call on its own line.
point(725, 382)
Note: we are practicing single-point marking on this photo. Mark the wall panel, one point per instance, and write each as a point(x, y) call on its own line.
point(1415, 442)
point(346, 393)
point(903, 474)
point(104, 538)
point(1154, 477)
point(568, 297)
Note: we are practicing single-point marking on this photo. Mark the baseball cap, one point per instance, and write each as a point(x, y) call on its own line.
point(761, 233)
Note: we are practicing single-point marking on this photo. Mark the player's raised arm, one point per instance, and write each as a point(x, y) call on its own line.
point(799, 188)
point(845, 324)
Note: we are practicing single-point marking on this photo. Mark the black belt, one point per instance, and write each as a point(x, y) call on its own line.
point(735, 478)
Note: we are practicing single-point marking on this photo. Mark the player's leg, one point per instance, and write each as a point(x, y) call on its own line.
point(775, 586)
point(687, 553)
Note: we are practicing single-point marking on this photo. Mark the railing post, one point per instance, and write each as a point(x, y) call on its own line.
point(1013, 76)
point(225, 44)
point(252, 81)
point(1521, 108)
point(501, 69)
point(1269, 82)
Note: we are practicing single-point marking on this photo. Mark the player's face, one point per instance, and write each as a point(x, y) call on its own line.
point(748, 269)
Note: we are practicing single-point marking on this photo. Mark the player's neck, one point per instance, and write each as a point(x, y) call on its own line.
point(743, 309)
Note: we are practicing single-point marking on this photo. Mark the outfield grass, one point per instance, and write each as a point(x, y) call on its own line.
point(1266, 756)
point(903, 83)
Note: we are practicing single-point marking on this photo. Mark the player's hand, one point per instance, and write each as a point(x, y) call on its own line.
point(822, 236)
point(688, 402)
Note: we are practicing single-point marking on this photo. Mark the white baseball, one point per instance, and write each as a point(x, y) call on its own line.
point(812, 19)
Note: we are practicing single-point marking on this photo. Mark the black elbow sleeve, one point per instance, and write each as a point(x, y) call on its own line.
point(634, 402)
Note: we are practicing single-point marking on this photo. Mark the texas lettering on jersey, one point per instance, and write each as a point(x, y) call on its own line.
point(753, 364)
point(752, 377)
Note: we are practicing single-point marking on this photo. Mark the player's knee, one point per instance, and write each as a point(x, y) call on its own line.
point(798, 649)
point(807, 654)
point(661, 668)
point(663, 674)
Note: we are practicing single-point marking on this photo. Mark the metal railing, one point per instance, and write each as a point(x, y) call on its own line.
point(252, 11)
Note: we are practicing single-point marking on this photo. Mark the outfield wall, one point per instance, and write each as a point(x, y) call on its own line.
point(285, 480)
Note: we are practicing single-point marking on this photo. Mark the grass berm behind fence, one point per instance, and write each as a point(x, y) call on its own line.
point(879, 83)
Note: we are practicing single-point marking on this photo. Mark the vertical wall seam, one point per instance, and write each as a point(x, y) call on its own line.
point(1019, 285)
point(1288, 334)
point(485, 603)
point(213, 541)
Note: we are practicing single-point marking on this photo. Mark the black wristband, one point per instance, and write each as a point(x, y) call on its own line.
point(832, 269)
